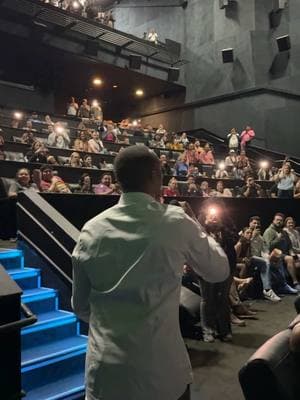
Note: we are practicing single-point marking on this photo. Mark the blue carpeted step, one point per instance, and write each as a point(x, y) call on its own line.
point(54, 370)
point(48, 320)
point(11, 258)
point(40, 300)
point(62, 389)
point(45, 351)
point(27, 278)
point(65, 329)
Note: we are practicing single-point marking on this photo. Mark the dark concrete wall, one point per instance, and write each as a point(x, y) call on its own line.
point(204, 29)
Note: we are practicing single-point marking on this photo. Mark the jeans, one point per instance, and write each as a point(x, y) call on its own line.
point(263, 267)
point(278, 275)
point(285, 194)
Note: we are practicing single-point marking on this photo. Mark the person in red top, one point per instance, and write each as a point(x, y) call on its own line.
point(246, 136)
point(207, 157)
point(172, 189)
point(191, 154)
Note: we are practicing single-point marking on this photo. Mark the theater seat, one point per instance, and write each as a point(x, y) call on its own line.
point(273, 372)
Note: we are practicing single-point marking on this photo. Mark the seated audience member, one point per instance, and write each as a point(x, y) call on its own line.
point(221, 172)
point(96, 112)
point(58, 137)
point(116, 131)
point(243, 160)
point(297, 190)
point(85, 184)
point(190, 154)
point(48, 121)
point(95, 145)
point(105, 187)
point(74, 160)
point(276, 240)
point(193, 170)
point(38, 153)
point(52, 160)
point(184, 139)
point(285, 182)
point(206, 157)
point(205, 189)
point(21, 183)
point(231, 160)
point(198, 149)
point(81, 143)
point(260, 258)
point(156, 142)
point(246, 137)
point(28, 126)
point(84, 109)
point(181, 166)
point(191, 188)
point(153, 36)
point(251, 189)
point(161, 130)
point(172, 189)
point(221, 191)
point(233, 140)
point(294, 236)
point(164, 166)
point(110, 135)
point(88, 162)
point(28, 138)
point(174, 144)
point(15, 123)
point(265, 172)
point(48, 182)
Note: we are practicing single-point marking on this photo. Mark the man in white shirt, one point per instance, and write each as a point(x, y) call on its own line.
point(127, 269)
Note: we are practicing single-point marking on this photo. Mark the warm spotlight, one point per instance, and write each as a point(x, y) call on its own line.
point(95, 103)
point(134, 123)
point(97, 81)
point(139, 92)
point(18, 115)
point(115, 86)
point(264, 164)
point(222, 166)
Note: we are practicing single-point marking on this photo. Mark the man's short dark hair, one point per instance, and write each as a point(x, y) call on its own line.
point(254, 218)
point(46, 167)
point(279, 214)
point(133, 167)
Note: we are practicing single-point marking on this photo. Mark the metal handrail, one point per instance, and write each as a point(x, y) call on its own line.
point(30, 319)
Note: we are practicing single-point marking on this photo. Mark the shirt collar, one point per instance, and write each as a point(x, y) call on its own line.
point(136, 197)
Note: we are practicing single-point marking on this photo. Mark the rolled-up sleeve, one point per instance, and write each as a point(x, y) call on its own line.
point(204, 254)
point(81, 284)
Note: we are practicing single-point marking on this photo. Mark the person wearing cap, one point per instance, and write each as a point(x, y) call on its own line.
point(135, 348)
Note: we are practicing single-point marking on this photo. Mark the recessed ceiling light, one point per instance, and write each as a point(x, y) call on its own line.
point(97, 81)
point(115, 86)
point(139, 92)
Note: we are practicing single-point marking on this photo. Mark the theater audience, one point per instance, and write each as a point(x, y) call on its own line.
point(28, 137)
point(105, 187)
point(246, 137)
point(172, 189)
point(297, 190)
point(164, 166)
point(95, 145)
point(110, 135)
point(285, 182)
point(243, 161)
point(184, 139)
point(52, 160)
point(81, 143)
point(190, 154)
point(198, 150)
point(191, 188)
point(233, 140)
point(231, 160)
point(275, 240)
point(85, 184)
point(21, 183)
point(161, 130)
point(206, 156)
point(294, 236)
point(205, 189)
point(153, 36)
point(265, 172)
point(221, 172)
point(96, 112)
point(28, 126)
point(181, 166)
point(48, 120)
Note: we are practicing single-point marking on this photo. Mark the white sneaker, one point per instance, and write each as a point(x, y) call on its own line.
point(270, 295)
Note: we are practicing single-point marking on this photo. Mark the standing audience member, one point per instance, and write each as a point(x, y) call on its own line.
point(181, 166)
point(161, 130)
point(72, 107)
point(285, 182)
point(96, 112)
point(84, 109)
point(153, 36)
point(246, 137)
point(233, 140)
point(145, 244)
point(207, 157)
point(165, 167)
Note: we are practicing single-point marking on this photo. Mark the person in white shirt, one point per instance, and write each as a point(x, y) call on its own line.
point(127, 269)
point(153, 36)
point(95, 144)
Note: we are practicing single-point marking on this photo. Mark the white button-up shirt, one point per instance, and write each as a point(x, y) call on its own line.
point(127, 269)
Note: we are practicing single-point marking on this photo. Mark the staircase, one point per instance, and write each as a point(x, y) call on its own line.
point(53, 351)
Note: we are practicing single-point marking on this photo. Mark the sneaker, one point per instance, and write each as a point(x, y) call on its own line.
point(287, 289)
point(208, 338)
point(297, 286)
point(270, 295)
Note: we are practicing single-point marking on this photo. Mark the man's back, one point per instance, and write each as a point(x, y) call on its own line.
point(129, 262)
